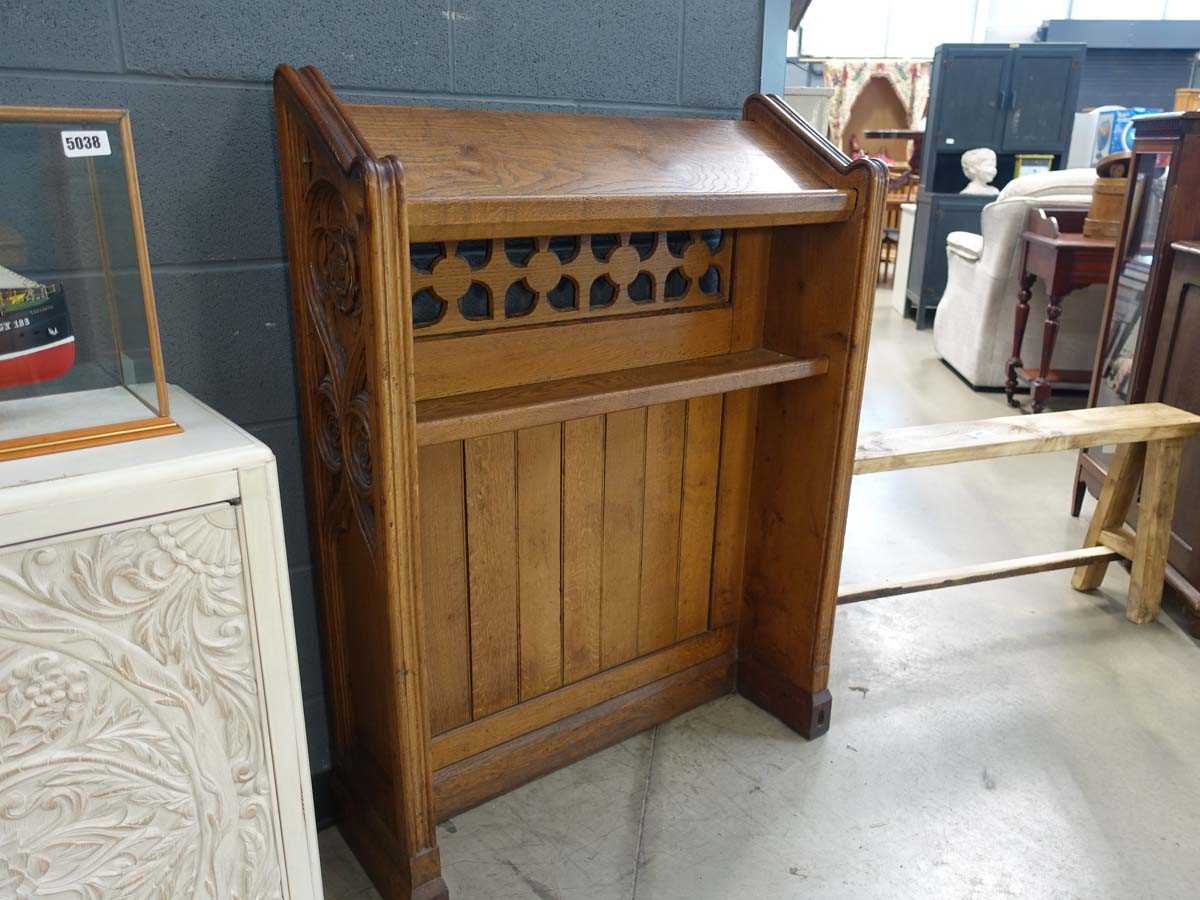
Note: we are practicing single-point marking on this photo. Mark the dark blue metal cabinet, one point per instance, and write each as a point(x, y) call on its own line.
point(937, 216)
point(1018, 98)
point(1039, 107)
point(967, 92)
point(1010, 98)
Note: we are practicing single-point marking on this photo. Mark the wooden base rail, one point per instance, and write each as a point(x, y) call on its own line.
point(1150, 436)
point(1006, 568)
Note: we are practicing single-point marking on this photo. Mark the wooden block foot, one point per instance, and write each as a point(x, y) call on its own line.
point(432, 890)
point(805, 712)
point(395, 874)
point(820, 706)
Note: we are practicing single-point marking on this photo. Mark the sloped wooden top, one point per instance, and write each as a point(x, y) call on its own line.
point(467, 170)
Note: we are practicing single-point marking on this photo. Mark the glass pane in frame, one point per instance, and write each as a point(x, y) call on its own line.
point(76, 301)
point(1116, 363)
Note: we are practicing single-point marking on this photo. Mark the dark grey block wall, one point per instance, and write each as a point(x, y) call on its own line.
point(196, 77)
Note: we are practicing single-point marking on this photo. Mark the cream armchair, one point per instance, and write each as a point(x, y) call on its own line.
point(974, 325)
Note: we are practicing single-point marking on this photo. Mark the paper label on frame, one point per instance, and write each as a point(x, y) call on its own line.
point(85, 143)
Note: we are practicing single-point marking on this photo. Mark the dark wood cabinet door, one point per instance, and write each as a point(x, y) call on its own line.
point(1040, 100)
point(1175, 379)
point(971, 84)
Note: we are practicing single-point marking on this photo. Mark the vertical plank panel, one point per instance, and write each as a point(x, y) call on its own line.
point(665, 424)
point(583, 540)
point(751, 275)
point(539, 547)
point(733, 506)
point(701, 456)
point(492, 567)
point(444, 585)
point(624, 488)
point(751, 271)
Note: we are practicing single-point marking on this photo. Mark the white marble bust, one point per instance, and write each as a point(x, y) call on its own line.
point(979, 165)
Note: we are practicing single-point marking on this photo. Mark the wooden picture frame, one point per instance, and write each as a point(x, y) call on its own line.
point(1032, 163)
point(128, 428)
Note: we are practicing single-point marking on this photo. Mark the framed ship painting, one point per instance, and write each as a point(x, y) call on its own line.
point(80, 357)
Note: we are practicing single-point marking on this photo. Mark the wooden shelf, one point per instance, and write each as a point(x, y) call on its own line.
point(487, 412)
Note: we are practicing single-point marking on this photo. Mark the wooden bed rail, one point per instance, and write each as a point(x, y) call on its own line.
point(1150, 438)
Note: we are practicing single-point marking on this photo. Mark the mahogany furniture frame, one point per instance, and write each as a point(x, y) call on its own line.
point(1175, 379)
point(1173, 140)
point(580, 396)
point(1054, 249)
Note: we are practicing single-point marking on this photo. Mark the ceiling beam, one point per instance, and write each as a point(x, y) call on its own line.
point(799, 8)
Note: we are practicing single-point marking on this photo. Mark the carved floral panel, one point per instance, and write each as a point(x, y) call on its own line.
point(132, 757)
point(331, 261)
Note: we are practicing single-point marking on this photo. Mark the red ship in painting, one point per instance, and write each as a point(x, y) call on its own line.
point(36, 341)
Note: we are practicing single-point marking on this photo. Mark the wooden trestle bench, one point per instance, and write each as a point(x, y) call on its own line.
point(1150, 438)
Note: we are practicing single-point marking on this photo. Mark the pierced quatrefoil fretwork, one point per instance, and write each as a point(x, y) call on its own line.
point(463, 286)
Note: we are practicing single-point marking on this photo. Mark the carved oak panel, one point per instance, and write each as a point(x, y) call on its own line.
point(333, 292)
point(133, 761)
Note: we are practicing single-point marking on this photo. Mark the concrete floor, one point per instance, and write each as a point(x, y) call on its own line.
point(1007, 739)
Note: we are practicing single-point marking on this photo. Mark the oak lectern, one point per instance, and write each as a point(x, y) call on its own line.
point(580, 396)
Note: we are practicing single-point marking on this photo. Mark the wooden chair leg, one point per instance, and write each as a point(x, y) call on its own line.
point(1111, 509)
point(1155, 512)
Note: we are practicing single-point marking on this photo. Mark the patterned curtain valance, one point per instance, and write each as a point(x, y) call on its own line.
point(908, 77)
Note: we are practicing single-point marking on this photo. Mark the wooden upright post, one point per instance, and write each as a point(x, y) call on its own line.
point(1155, 512)
point(1111, 509)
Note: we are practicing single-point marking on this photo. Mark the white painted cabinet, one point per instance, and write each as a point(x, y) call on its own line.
point(151, 737)
point(908, 218)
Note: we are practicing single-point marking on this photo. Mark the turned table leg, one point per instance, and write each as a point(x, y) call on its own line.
point(1041, 384)
point(1023, 296)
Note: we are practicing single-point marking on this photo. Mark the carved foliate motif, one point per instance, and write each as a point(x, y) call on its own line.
point(132, 759)
point(357, 440)
point(333, 296)
point(461, 286)
point(333, 266)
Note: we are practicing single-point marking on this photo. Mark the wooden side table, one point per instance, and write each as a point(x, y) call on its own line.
point(1054, 249)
